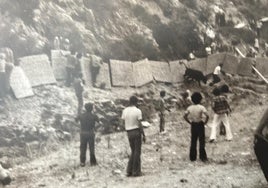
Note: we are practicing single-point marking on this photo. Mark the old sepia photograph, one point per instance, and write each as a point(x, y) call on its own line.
point(133, 94)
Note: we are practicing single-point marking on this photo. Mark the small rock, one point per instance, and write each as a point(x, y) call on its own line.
point(183, 180)
point(117, 171)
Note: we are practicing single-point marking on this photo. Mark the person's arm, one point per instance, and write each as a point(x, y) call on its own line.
point(186, 117)
point(207, 118)
point(141, 127)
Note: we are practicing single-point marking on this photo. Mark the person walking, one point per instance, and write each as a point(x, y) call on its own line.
point(132, 117)
point(194, 116)
point(87, 134)
point(221, 109)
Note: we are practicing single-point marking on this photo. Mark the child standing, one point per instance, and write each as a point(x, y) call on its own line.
point(194, 115)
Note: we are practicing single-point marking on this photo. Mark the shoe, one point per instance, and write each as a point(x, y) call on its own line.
point(129, 175)
point(204, 160)
point(228, 140)
point(137, 175)
point(82, 164)
point(211, 140)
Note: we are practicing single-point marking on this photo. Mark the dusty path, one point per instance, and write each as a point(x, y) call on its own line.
point(165, 160)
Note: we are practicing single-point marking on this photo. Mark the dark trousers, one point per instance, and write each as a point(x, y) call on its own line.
point(87, 139)
point(162, 122)
point(198, 132)
point(216, 79)
point(134, 163)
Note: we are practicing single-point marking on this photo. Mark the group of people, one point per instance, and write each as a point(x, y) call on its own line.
point(196, 115)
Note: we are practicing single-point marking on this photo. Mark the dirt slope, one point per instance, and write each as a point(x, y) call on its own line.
point(165, 160)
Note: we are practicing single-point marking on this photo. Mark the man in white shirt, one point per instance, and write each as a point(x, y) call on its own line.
point(216, 74)
point(132, 117)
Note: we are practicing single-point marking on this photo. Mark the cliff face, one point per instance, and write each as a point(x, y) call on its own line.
point(125, 29)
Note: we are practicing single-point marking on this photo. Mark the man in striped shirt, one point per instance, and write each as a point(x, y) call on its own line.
point(221, 108)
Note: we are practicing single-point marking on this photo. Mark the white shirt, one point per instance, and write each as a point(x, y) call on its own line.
point(3, 173)
point(217, 70)
point(196, 113)
point(2, 65)
point(132, 115)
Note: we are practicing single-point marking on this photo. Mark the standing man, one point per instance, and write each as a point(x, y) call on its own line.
point(162, 108)
point(194, 115)
point(87, 134)
point(221, 109)
point(132, 117)
point(216, 74)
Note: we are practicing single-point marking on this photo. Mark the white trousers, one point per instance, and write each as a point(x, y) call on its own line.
point(217, 119)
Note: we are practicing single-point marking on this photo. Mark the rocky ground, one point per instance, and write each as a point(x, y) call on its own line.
point(54, 161)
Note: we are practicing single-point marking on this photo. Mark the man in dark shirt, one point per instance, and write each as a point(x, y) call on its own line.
point(87, 134)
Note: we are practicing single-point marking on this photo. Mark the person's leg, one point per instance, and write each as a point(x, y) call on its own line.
point(162, 122)
point(93, 160)
point(201, 135)
point(226, 123)
point(83, 149)
point(136, 169)
point(194, 136)
point(215, 123)
point(131, 140)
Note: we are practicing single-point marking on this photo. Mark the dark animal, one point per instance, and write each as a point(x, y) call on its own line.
point(192, 74)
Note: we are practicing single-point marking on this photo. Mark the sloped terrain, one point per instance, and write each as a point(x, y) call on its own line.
point(41, 156)
point(165, 160)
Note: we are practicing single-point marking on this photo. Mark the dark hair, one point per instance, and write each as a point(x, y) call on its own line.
point(89, 107)
point(162, 93)
point(6, 180)
point(196, 97)
point(216, 91)
point(79, 55)
point(133, 100)
point(221, 64)
point(72, 52)
point(225, 88)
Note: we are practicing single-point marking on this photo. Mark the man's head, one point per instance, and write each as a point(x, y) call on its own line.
point(196, 97)
point(89, 107)
point(133, 100)
point(162, 93)
point(6, 180)
point(221, 64)
point(2, 56)
point(79, 55)
point(225, 88)
point(216, 91)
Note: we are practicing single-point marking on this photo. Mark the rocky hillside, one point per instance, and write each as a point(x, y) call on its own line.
point(126, 29)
